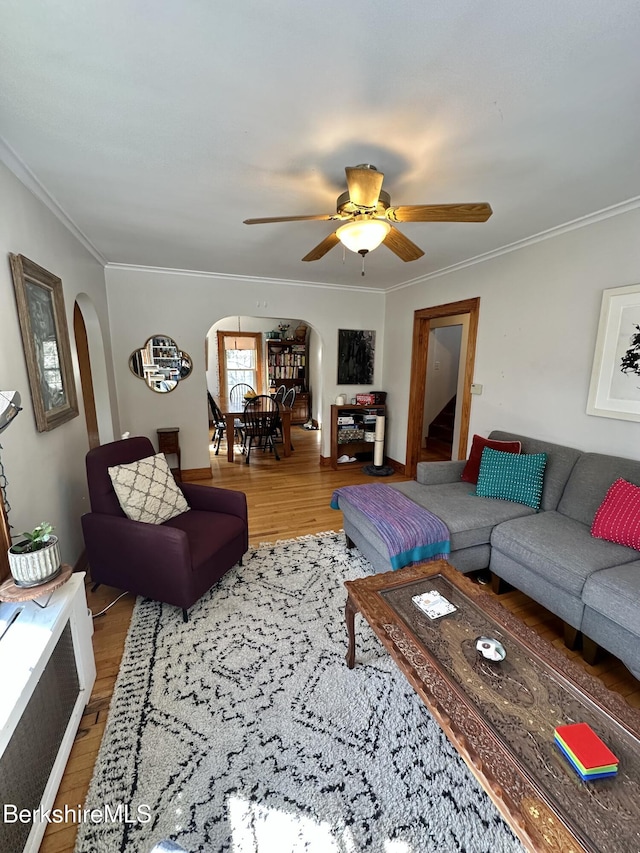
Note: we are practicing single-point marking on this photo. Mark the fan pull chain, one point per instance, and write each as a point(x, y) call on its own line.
point(362, 252)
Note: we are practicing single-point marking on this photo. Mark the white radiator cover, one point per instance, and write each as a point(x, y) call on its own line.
point(48, 670)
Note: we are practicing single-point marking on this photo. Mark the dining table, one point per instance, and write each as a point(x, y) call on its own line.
point(232, 411)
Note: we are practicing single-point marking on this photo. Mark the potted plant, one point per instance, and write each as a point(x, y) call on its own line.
point(36, 559)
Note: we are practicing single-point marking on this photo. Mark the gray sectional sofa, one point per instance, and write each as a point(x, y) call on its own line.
point(592, 585)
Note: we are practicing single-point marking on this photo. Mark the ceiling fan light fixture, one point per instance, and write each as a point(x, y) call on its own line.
point(363, 235)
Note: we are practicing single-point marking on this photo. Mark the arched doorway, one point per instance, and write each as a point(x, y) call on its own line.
point(93, 372)
point(275, 366)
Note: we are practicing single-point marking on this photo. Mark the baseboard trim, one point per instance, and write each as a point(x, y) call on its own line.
point(398, 467)
point(191, 474)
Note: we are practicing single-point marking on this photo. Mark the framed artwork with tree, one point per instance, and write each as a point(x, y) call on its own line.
point(615, 378)
point(45, 339)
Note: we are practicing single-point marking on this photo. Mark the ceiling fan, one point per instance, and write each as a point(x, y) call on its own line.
point(366, 211)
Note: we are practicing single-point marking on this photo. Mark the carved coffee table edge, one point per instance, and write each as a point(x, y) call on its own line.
point(518, 799)
point(368, 588)
point(515, 794)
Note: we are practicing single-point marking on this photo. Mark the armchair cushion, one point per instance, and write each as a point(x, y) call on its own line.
point(147, 491)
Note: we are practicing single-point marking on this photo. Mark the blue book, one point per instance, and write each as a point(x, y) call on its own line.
point(584, 777)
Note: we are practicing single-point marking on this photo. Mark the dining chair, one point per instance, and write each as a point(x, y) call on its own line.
point(289, 398)
point(237, 393)
point(219, 424)
point(288, 401)
point(237, 398)
point(281, 390)
point(260, 416)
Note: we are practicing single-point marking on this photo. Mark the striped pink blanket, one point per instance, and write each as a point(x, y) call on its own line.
point(412, 534)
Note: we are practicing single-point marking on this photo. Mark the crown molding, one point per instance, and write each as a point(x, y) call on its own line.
point(241, 279)
point(573, 225)
point(24, 174)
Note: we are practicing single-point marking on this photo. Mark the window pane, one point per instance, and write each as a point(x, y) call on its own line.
point(241, 367)
point(235, 376)
point(241, 359)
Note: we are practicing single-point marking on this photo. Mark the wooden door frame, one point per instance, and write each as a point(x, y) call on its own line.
point(86, 378)
point(421, 329)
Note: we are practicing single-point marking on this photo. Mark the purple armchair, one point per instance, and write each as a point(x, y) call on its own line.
point(175, 562)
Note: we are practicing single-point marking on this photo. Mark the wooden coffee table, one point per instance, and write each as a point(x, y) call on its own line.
point(501, 716)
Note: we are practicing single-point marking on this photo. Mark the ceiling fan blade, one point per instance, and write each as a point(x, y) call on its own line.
point(478, 212)
point(402, 246)
point(322, 248)
point(316, 216)
point(364, 184)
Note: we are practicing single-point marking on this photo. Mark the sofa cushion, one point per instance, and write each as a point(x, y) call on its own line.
point(147, 490)
point(470, 519)
point(512, 477)
point(433, 473)
point(472, 468)
point(557, 548)
point(592, 476)
point(614, 592)
point(617, 519)
point(560, 462)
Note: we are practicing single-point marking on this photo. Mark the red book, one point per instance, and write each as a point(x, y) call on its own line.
point(586, 745)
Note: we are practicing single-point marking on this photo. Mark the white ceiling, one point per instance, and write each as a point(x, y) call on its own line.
point(159, 125)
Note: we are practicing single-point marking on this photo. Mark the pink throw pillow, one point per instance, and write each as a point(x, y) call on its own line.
point(617, 519)
point(472, 468)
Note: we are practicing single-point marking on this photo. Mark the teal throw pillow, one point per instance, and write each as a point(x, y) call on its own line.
point(511, 476)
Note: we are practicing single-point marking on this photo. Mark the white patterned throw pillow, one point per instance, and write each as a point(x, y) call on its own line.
point(147, 491)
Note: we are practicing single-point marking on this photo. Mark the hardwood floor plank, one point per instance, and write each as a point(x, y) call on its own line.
point(286, 499)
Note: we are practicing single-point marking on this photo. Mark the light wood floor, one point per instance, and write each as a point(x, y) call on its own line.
point(286, 499)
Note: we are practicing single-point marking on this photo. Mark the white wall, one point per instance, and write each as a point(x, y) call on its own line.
point(45, 471)
point(539, 315)
point(143, 302)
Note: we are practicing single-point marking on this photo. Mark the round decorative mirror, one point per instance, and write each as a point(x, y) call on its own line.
point(160, 363)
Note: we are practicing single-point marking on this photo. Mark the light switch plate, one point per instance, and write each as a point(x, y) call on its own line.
point(476, 388)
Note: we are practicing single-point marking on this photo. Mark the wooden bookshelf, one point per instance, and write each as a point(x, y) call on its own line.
point(345, 444)
point(287, 364)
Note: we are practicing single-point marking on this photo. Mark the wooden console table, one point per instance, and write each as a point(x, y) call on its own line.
point(168, 443)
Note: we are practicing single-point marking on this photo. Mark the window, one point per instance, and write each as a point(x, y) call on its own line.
point(240, 360)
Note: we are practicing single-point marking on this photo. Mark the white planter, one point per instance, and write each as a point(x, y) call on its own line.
point(35, 567)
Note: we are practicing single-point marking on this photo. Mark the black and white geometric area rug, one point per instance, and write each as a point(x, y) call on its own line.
point(244, 731)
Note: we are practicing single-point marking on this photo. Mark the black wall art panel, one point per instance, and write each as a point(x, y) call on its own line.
point(356, 351)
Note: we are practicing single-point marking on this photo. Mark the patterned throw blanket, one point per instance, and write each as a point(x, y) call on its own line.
point(412, 534)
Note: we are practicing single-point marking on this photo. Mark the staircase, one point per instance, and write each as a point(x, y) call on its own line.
point(440, 433)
